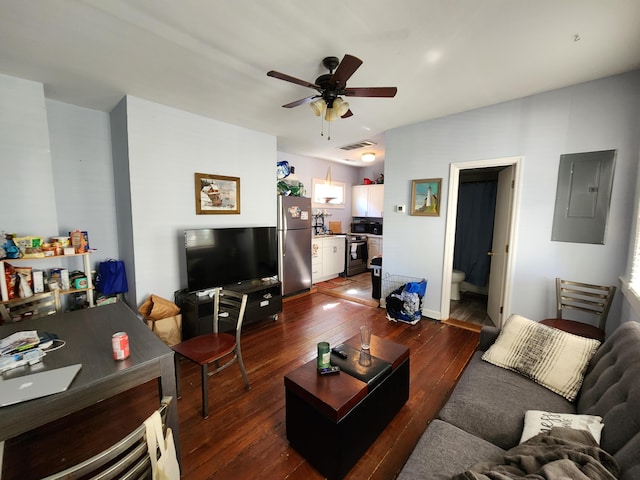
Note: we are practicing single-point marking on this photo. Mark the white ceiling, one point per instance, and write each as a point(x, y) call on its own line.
point(210, 57)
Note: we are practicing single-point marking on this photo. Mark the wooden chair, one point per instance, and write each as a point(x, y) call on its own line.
point(213, 347)
point(584, 297)
point(126, 459)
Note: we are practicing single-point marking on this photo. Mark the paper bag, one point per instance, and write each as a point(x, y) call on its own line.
point(168, 329)
point(157, 308)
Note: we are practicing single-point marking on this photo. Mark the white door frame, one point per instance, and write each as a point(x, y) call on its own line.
point(450, 229)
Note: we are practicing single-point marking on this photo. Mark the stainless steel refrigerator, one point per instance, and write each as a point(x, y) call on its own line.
point(294, 243)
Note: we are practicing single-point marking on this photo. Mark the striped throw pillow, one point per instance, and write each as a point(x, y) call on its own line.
point(552, 358)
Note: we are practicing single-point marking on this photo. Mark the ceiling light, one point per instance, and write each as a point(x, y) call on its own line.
point(318, 106)
point(331, 115)
point(368, 157)
point(340, 106)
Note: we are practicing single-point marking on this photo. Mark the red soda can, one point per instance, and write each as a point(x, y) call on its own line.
point(120, 344)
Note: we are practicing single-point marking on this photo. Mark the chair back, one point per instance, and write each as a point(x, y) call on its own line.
point(128, 458)
point(231, 306)
point(585, 297)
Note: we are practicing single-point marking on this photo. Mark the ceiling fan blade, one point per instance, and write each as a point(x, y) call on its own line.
point(302, 101)
point(346, 68)
point(289, 78)
point(348, 114)
point(370, 92)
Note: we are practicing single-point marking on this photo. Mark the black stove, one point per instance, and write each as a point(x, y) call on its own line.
point(357, 254)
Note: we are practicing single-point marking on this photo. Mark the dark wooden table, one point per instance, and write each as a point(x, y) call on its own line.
point(333, 419)
point(87, 334)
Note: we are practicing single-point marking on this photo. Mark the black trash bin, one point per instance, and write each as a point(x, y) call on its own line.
point(376, 277)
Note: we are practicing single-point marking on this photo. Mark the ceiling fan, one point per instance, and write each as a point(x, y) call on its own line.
point(332, 86)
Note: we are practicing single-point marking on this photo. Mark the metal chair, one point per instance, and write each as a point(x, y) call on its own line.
point(584, 297)
point(126, 459)
point(213, 347)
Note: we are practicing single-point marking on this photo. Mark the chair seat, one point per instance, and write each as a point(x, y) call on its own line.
point(205, 349)
point(576, 328)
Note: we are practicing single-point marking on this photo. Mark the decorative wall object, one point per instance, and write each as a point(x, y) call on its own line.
point(425, 197)
point(217, 194)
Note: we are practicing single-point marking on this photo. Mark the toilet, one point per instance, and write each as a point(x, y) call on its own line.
point(457, 277)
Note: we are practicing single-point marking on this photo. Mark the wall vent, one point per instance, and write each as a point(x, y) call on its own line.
point(355, 146)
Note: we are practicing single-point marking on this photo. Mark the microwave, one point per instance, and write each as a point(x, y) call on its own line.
point(375, 228)
point(359, 228)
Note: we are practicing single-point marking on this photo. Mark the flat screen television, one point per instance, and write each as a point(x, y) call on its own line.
point(222, 256)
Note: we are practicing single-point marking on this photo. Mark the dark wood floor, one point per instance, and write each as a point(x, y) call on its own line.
point(244, 436)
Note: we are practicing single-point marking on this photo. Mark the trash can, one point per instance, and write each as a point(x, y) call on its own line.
point(376, 277)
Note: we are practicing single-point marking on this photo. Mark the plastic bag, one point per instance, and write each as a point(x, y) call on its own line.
point(404, 303)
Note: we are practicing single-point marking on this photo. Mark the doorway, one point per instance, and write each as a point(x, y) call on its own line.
point(502, 250)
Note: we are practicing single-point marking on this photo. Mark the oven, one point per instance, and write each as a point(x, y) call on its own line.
point(357, 255)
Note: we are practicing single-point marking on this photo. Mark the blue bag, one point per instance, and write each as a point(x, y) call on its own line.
point(112, 277)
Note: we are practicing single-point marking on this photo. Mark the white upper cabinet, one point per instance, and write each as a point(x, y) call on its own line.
point(367, 200)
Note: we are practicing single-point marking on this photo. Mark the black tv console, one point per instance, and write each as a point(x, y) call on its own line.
point(265, 301)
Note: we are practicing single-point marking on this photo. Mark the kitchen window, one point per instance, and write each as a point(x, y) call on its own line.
point(327, 194)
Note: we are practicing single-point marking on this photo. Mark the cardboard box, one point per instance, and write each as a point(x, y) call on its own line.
point(38, 281)
point(61, 277)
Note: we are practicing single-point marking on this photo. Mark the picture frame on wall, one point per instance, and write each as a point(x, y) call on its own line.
point(217, 194)
point(425, 197)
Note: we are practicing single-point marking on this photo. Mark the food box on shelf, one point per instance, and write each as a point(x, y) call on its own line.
point(30, 246)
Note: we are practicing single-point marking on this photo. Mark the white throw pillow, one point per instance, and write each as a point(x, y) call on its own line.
point(550, 357)
point(536, 421)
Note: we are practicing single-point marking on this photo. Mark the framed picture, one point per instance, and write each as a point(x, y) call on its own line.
point(425, 197)
point(217, 194)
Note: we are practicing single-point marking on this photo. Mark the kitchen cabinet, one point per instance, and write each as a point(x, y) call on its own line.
point(374, 247)
point(367, 201)
point(327, 257)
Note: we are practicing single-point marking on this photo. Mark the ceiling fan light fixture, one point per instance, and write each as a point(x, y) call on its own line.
point(340, 106)
point(368, 157)
point(318, 106)
point(331, 115)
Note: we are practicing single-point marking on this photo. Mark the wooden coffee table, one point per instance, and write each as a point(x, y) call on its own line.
point(333, 419)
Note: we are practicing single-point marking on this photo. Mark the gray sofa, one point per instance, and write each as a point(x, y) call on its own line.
point(484, 415)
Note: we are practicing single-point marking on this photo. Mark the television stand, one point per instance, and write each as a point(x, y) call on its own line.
point(265, 301)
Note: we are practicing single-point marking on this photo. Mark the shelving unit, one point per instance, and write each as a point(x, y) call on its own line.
point(319, 223)
point(10, 304)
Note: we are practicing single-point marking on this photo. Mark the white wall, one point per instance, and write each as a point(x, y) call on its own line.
point(166, 147)
point(83, 175)
point(599, 115)
point(27, 195)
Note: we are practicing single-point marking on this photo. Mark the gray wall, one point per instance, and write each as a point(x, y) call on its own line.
point(599, 115)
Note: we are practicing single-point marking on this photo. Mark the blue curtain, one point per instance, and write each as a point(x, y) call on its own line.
point(474, 230)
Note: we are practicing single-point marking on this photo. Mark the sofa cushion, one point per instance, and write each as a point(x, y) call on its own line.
point(553, 358)
point(537, 421)
point(445, 450)
point(490, 402)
